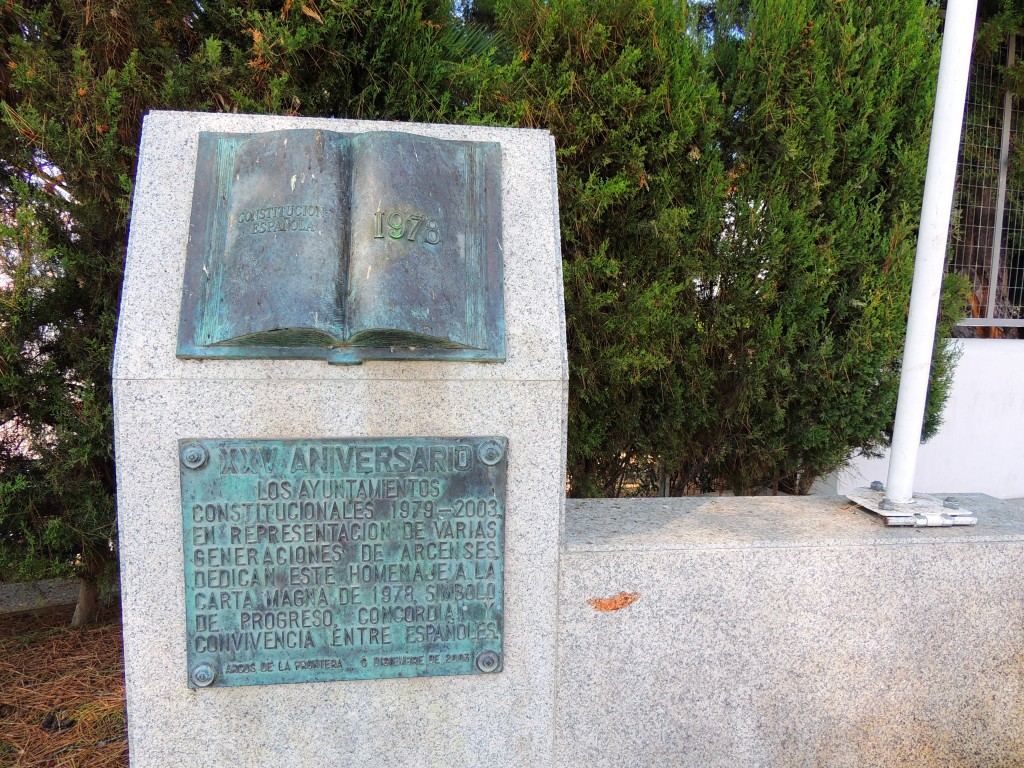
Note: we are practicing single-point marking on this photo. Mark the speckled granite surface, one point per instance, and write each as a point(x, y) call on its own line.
point(789, 632)
point(34, 596)
point(503, 719)
point(753, 632)
point(703, 522)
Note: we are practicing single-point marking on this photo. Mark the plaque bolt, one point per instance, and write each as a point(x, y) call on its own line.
point(194, 456)
point(203, 674)
point(877, 485)
point(950, 502)
point(488, 661)
point(490, 453)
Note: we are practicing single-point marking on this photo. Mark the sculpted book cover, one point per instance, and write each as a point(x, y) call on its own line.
point(318, 244)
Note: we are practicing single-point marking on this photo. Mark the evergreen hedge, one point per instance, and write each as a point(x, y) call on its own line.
point(829, 107)
point(75, 82)
point(739, 189)
point(740, 183)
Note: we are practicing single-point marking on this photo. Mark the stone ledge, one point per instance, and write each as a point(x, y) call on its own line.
point(730, 522)
point(37, 597)
point(788, 632)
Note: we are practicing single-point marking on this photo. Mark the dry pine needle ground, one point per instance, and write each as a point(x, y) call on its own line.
point(61, 694)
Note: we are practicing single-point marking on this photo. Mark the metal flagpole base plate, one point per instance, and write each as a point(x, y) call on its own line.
point(923, 512)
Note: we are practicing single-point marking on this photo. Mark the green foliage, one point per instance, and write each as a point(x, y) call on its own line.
point(826, 146)
point(354, 58)
point(739, 188)
point(75, 81)
point(739, 185)
point(621, 85)
point(74, 87)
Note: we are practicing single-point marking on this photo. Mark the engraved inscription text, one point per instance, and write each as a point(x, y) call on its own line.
point(343, 559)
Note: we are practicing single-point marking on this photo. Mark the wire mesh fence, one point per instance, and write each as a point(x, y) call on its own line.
point(987, 228)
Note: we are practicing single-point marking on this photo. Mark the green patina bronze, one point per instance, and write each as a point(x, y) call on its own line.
point(346, 247)
point(342, 559)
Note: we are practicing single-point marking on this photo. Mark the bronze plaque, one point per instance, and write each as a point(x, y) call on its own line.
point(346, 247)
point(342, 559)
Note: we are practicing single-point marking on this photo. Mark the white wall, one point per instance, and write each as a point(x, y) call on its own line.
point(980, 446)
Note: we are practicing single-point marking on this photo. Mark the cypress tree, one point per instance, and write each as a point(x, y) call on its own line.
point(739, 186)
point(829, 109)
point(621, 86)
point(739, 189)
point(75, 81)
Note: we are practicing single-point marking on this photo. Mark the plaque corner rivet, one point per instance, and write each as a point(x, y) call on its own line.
point(490, 453)
point(488, 661)
point(203, 674)
point(194, 455)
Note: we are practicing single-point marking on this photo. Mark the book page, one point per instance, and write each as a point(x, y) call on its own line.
point(414, 277)
point(278, 279)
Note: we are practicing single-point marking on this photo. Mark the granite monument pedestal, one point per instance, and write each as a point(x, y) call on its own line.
point(492, 713)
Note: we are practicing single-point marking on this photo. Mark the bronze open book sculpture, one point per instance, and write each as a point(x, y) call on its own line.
point(346, 247)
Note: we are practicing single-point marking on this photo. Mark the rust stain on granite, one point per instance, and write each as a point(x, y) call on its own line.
point(617, 603)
